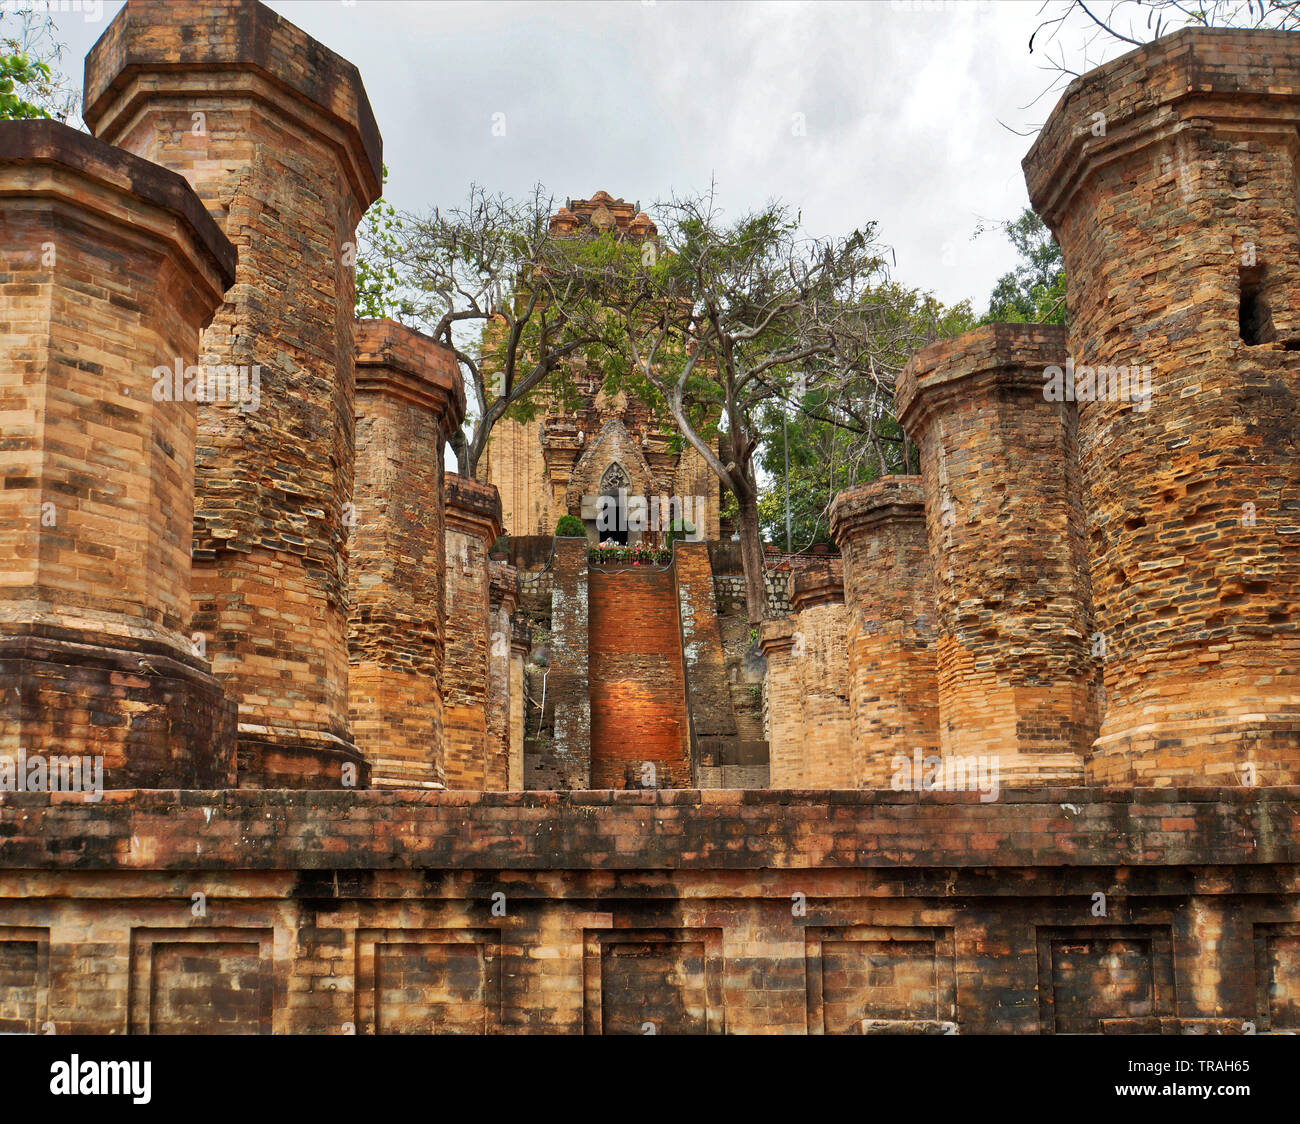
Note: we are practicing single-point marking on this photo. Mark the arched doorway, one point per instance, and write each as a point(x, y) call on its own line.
point(611, 511)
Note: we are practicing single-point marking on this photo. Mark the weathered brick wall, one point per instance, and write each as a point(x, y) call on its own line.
point(473, 515)
point(776, 584)
point(707, 687)
point(409, 398)
point(109, 269)
point(808, 686)
point(758, 912)
point(514, 462)
point(520, 649)
point(560, 756)
point(821, 658)
point(276, 136)
point(504, 600)
point(782, 702)
point(889, 591)
point(1169, 179)
point(637, 683)
point(1016, 680)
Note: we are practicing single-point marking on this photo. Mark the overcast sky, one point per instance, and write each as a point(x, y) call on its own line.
point(901, 106)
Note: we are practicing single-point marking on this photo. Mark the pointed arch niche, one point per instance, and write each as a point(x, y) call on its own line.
point(612, 463)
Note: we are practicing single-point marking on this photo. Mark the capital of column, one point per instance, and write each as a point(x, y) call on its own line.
point(996, 358)
point(1194, 76)
point(473, 508)
point(398, 361)
point(160, 51)
point(857, 511)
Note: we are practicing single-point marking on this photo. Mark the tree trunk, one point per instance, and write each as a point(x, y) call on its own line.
point(751, 554)
point(459, 446)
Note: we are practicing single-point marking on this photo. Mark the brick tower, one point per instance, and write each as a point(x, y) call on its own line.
point(998, 464)
point(473, 524)
point(889, 592)
point(111, 269)
point(409, 397)
point(276, 136)
point(1169, 177)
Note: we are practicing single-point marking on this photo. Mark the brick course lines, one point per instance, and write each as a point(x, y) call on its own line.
point(1003, 517)
point(888, 587)
point(473, 517)
point(285, 155)
point(110, 269)
point(409, 397)
point(636, 678)
point(1180, 228)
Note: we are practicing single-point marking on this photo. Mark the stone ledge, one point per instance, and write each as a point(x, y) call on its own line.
point(139, 180)
point(647, 830)
point(232, 37)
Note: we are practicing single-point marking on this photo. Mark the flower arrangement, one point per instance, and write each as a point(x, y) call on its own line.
point(611, 553)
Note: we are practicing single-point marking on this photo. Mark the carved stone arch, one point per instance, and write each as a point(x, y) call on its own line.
point(614, 478)
point(612, 444)
point(613, 447)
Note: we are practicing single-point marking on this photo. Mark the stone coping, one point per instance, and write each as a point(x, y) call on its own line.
point(949, 374)
point(142, 181)
point(242, 829)
point(855, 511)
point(163, 37)
point(390, 357)
point(1253, 75)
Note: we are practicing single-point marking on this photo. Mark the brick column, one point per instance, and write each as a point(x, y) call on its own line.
point(276, 136)
point(503, 599)
point(821, 659)
point(568, 701)
point(1169, 179)
point(111, 268)
point(782, 694)
point(409, 398)
point(519, 649)
point(999, 469)
point(880, 529)
point(473, 525)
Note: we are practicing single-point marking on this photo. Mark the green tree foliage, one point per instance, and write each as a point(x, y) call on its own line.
point(17, 73)
point(376, 274)
point(570, 526)
point(729, 323)
point(492, 281)
point(1034, 292)
point(30, 86)
point(845, 433)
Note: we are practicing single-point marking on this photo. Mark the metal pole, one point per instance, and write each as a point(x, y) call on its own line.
point(785, 442)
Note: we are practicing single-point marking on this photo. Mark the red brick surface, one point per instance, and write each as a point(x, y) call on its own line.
point(409, 397)
point(1005, 528)
point(636, 680)
point(676, 907)
point(280, 117)
point(109, 269)
point(1186, 200)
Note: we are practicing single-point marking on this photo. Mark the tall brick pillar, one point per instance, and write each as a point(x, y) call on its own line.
point(821, 656)
point(784, 702)
point(473, 525)
point(409, 398)
point(567, 713)
point(1169, 177)
point(519, 649)
point(109, 270)
point(999, 470)
point(276, 136)
point(503, 594)
point(888, 587)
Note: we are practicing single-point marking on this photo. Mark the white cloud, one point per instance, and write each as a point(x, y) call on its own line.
point(902, 105)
